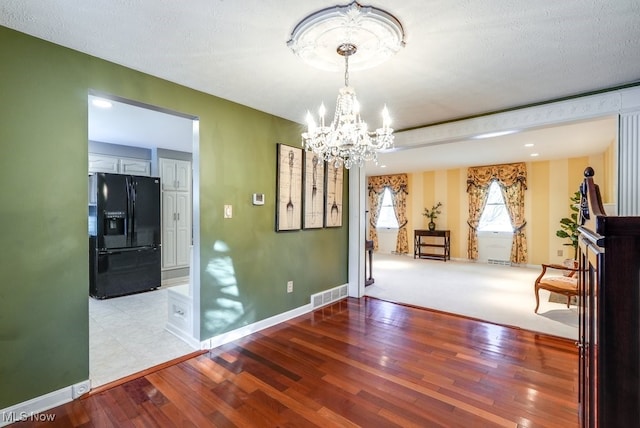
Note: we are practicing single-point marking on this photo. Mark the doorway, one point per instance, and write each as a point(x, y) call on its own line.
point(129, 333)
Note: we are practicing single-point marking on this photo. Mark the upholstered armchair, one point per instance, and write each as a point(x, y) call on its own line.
point(560, 279)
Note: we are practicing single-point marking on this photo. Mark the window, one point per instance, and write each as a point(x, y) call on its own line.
point(495, 217)
point(387, 217)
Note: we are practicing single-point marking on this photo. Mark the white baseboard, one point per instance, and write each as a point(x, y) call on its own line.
point(184, 336)
point(34, 410)
point(241, 332)
point(170, 282)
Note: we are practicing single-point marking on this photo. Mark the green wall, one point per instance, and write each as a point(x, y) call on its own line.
point(44, 335)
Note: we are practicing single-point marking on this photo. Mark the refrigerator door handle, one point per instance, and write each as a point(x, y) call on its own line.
point(126, 250)
point(133, 208)
point(128, 215)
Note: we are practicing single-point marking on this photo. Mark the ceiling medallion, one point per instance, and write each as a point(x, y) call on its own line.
point(377, 34)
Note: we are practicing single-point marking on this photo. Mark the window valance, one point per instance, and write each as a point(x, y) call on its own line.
point(506, 174)
point(397, 183)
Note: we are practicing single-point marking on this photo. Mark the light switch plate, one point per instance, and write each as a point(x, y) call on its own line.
point(258, 199)
point(228, 211)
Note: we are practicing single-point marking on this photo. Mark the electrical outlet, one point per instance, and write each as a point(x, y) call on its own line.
point(228, 211)
point(289, 286)
point(560, 253)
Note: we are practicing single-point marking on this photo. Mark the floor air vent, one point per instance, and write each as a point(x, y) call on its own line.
point(316, 300)
point(328, 296)
point(499, 262)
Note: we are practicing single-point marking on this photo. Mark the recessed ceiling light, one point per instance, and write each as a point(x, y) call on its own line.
point(529, 145)
point(102, 103)
point(494, 134)
point(533, 155)
point(383, 166)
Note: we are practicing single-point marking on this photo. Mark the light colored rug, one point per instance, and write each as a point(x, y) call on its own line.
point(498, 294)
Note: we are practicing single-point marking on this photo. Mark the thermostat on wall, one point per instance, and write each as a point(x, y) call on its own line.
point(258, 199)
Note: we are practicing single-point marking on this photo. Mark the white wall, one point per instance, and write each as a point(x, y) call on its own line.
point(387, 239)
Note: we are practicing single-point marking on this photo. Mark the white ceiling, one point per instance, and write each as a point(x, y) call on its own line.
point(462, 58)
point(559, 142)
point(132, 125)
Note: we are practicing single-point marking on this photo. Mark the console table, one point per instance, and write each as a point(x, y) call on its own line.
point(425, 241)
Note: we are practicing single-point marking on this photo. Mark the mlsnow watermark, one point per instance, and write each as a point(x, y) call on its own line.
point(12, 417)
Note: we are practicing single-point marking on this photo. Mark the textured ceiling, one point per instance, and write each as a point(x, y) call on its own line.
point(462, 58)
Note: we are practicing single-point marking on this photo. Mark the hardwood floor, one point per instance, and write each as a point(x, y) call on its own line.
point(357, 362)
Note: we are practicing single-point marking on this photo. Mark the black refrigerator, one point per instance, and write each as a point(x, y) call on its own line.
point(124, 234)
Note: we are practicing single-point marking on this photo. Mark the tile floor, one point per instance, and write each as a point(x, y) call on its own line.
point(127, 334)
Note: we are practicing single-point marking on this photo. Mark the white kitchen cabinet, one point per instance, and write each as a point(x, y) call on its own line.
point(135, 167)
point(175, 176)
point(103, 163)
point(176, 229)
point(118, 165)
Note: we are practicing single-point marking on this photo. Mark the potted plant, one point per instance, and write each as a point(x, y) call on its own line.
point(569, 225)
point(432, 214)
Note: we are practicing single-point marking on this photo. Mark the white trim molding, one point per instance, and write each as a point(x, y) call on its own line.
point(357, 207)
point(34, 410)
point(553, 113)
point(337, 293)
point(629, 164)
point(241, 332)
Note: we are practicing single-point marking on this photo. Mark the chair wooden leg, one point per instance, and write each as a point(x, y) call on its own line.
point(535, 311)
point(568, 300)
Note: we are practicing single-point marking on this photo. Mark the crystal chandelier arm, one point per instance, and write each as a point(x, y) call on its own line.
point(346, 70)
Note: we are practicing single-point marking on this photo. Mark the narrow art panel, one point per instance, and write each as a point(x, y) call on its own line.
point(288, 188)
point(313, 199)
point(333, 202)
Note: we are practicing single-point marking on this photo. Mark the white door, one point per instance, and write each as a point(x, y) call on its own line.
point(168, 174)
point(183, 228)
point(169, 229)
point(183, 175)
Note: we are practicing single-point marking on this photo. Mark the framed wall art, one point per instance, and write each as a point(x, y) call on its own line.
point(313, 196)
point(288, 188)
point(334, 177)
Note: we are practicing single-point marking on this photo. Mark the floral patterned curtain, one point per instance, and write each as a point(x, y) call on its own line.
point(514, 198)
point(513, 182)
point(375, 203)
point(398, 186)
point(399, 199)
point(477, 201)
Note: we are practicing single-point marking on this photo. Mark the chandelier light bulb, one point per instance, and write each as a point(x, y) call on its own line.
point(321, 112)
point(386, 119)
point(311, 125)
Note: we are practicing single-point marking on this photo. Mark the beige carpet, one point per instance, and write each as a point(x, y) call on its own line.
point(494, 293)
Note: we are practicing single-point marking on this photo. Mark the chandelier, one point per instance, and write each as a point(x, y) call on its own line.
point(347, 140)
